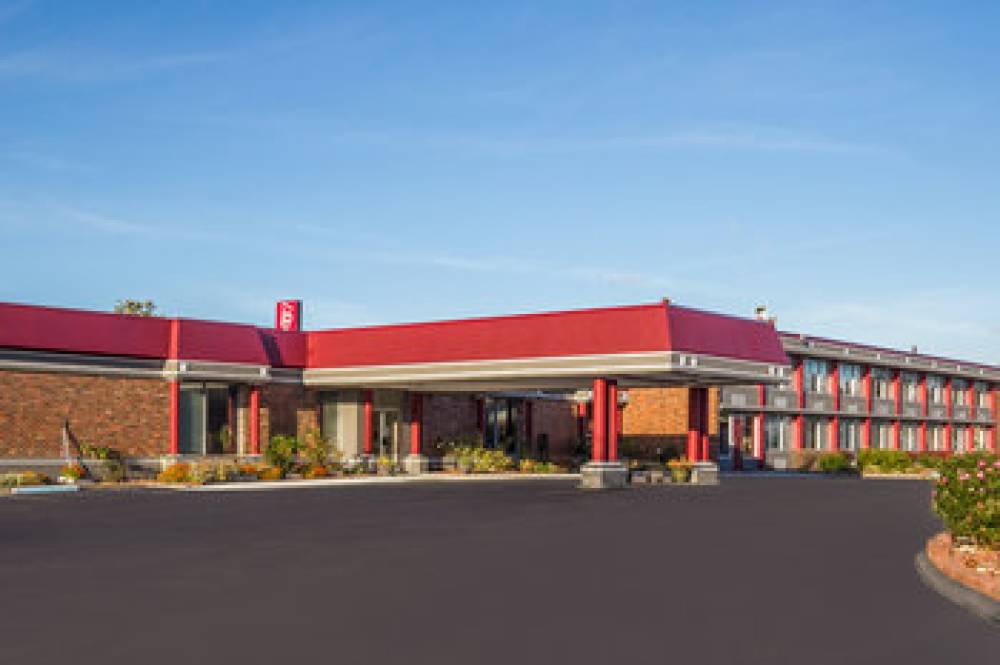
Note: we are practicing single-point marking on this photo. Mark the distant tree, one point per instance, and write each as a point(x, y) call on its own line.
point(136, 307)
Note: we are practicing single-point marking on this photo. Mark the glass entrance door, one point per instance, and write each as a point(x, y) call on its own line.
point(204, 417)
point(385, 426)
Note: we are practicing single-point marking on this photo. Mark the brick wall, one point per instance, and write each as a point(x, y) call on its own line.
point(658, 418)
point(448, 418)
point(556, 420)
point(129, 415)
point(288, 410)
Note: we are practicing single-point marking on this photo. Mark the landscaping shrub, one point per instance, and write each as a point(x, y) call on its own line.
point(316, 471)
point(23, 479)
point(680, 469)
point(248, 470)
point(72, 472)
point(318, 450)
point(967, 497)
point(886, 461)
point(281, 452)
point(175, 473)
point(536, 466)
point(270, 473)
point(834, 463)
point(482, 460)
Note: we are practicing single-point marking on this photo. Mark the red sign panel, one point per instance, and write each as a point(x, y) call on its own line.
point(288, 315)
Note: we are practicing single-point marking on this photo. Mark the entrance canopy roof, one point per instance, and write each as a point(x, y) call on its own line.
point(640, 345)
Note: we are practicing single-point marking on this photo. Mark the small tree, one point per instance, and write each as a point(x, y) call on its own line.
point(136, 307)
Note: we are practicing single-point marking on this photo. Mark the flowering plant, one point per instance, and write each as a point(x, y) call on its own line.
point(175, 473)
point(73, 472)
point(967, 497)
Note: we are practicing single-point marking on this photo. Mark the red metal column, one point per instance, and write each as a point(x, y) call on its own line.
point(993, 418)
point(600, 421)
point(416, 422)
point(694, 423)
point(613, 423)
point(970, 431)
point(368, 413)
point(922, 392)
point(798, 380)
point(173, 353)
point(255, 420)
point(759, 443)
point(762, 401)
point(866, 392)
point(175, 425)
point(835, 419)
point(704, 416)
point(897, 394)
point(948, 414)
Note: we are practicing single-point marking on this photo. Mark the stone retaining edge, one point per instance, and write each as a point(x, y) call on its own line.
point(982, 606)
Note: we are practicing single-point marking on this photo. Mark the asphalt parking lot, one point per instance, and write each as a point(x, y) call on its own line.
point(757, 570)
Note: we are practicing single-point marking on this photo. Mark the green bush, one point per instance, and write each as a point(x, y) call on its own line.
point(482, 460)
point(834, 463)
point(281, 451)
point(967, 497)
point(886, 461)
point(24, 479)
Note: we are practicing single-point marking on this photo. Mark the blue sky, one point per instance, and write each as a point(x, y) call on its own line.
point(393, 162)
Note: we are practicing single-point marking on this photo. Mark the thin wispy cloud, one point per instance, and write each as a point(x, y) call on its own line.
point(47, 162)
point(108, 224)
point(77, 67)
point(521, 145)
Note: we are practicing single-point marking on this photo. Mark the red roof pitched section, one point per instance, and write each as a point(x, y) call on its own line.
point(101, 333)
point(77, 331)
point(221, 342)
point(611, 330)
point(725, 336)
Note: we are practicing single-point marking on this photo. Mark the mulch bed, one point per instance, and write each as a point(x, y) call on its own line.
point(975, 567)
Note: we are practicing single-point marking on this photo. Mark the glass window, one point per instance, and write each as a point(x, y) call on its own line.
point(982, 395)
point(909, 437)
point(778, 432)
point(882, 383)
point(980, 437)
point(193, 407)
point(849, 434)
point(910, 386)
point(328, 418)
point(959, 439)
point(850, 379)
point(817, 373)
point(882, 435)
point(959, 392)
point(816, 433)
point(935, 389)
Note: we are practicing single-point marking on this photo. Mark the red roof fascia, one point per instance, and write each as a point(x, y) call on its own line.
point(725, 336)
point(631, 329)
point(77, 331)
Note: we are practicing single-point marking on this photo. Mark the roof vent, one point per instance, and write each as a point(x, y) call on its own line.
point(913, 349)
point(760, 312)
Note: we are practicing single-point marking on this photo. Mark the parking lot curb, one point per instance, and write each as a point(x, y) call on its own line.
point(982, 606)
